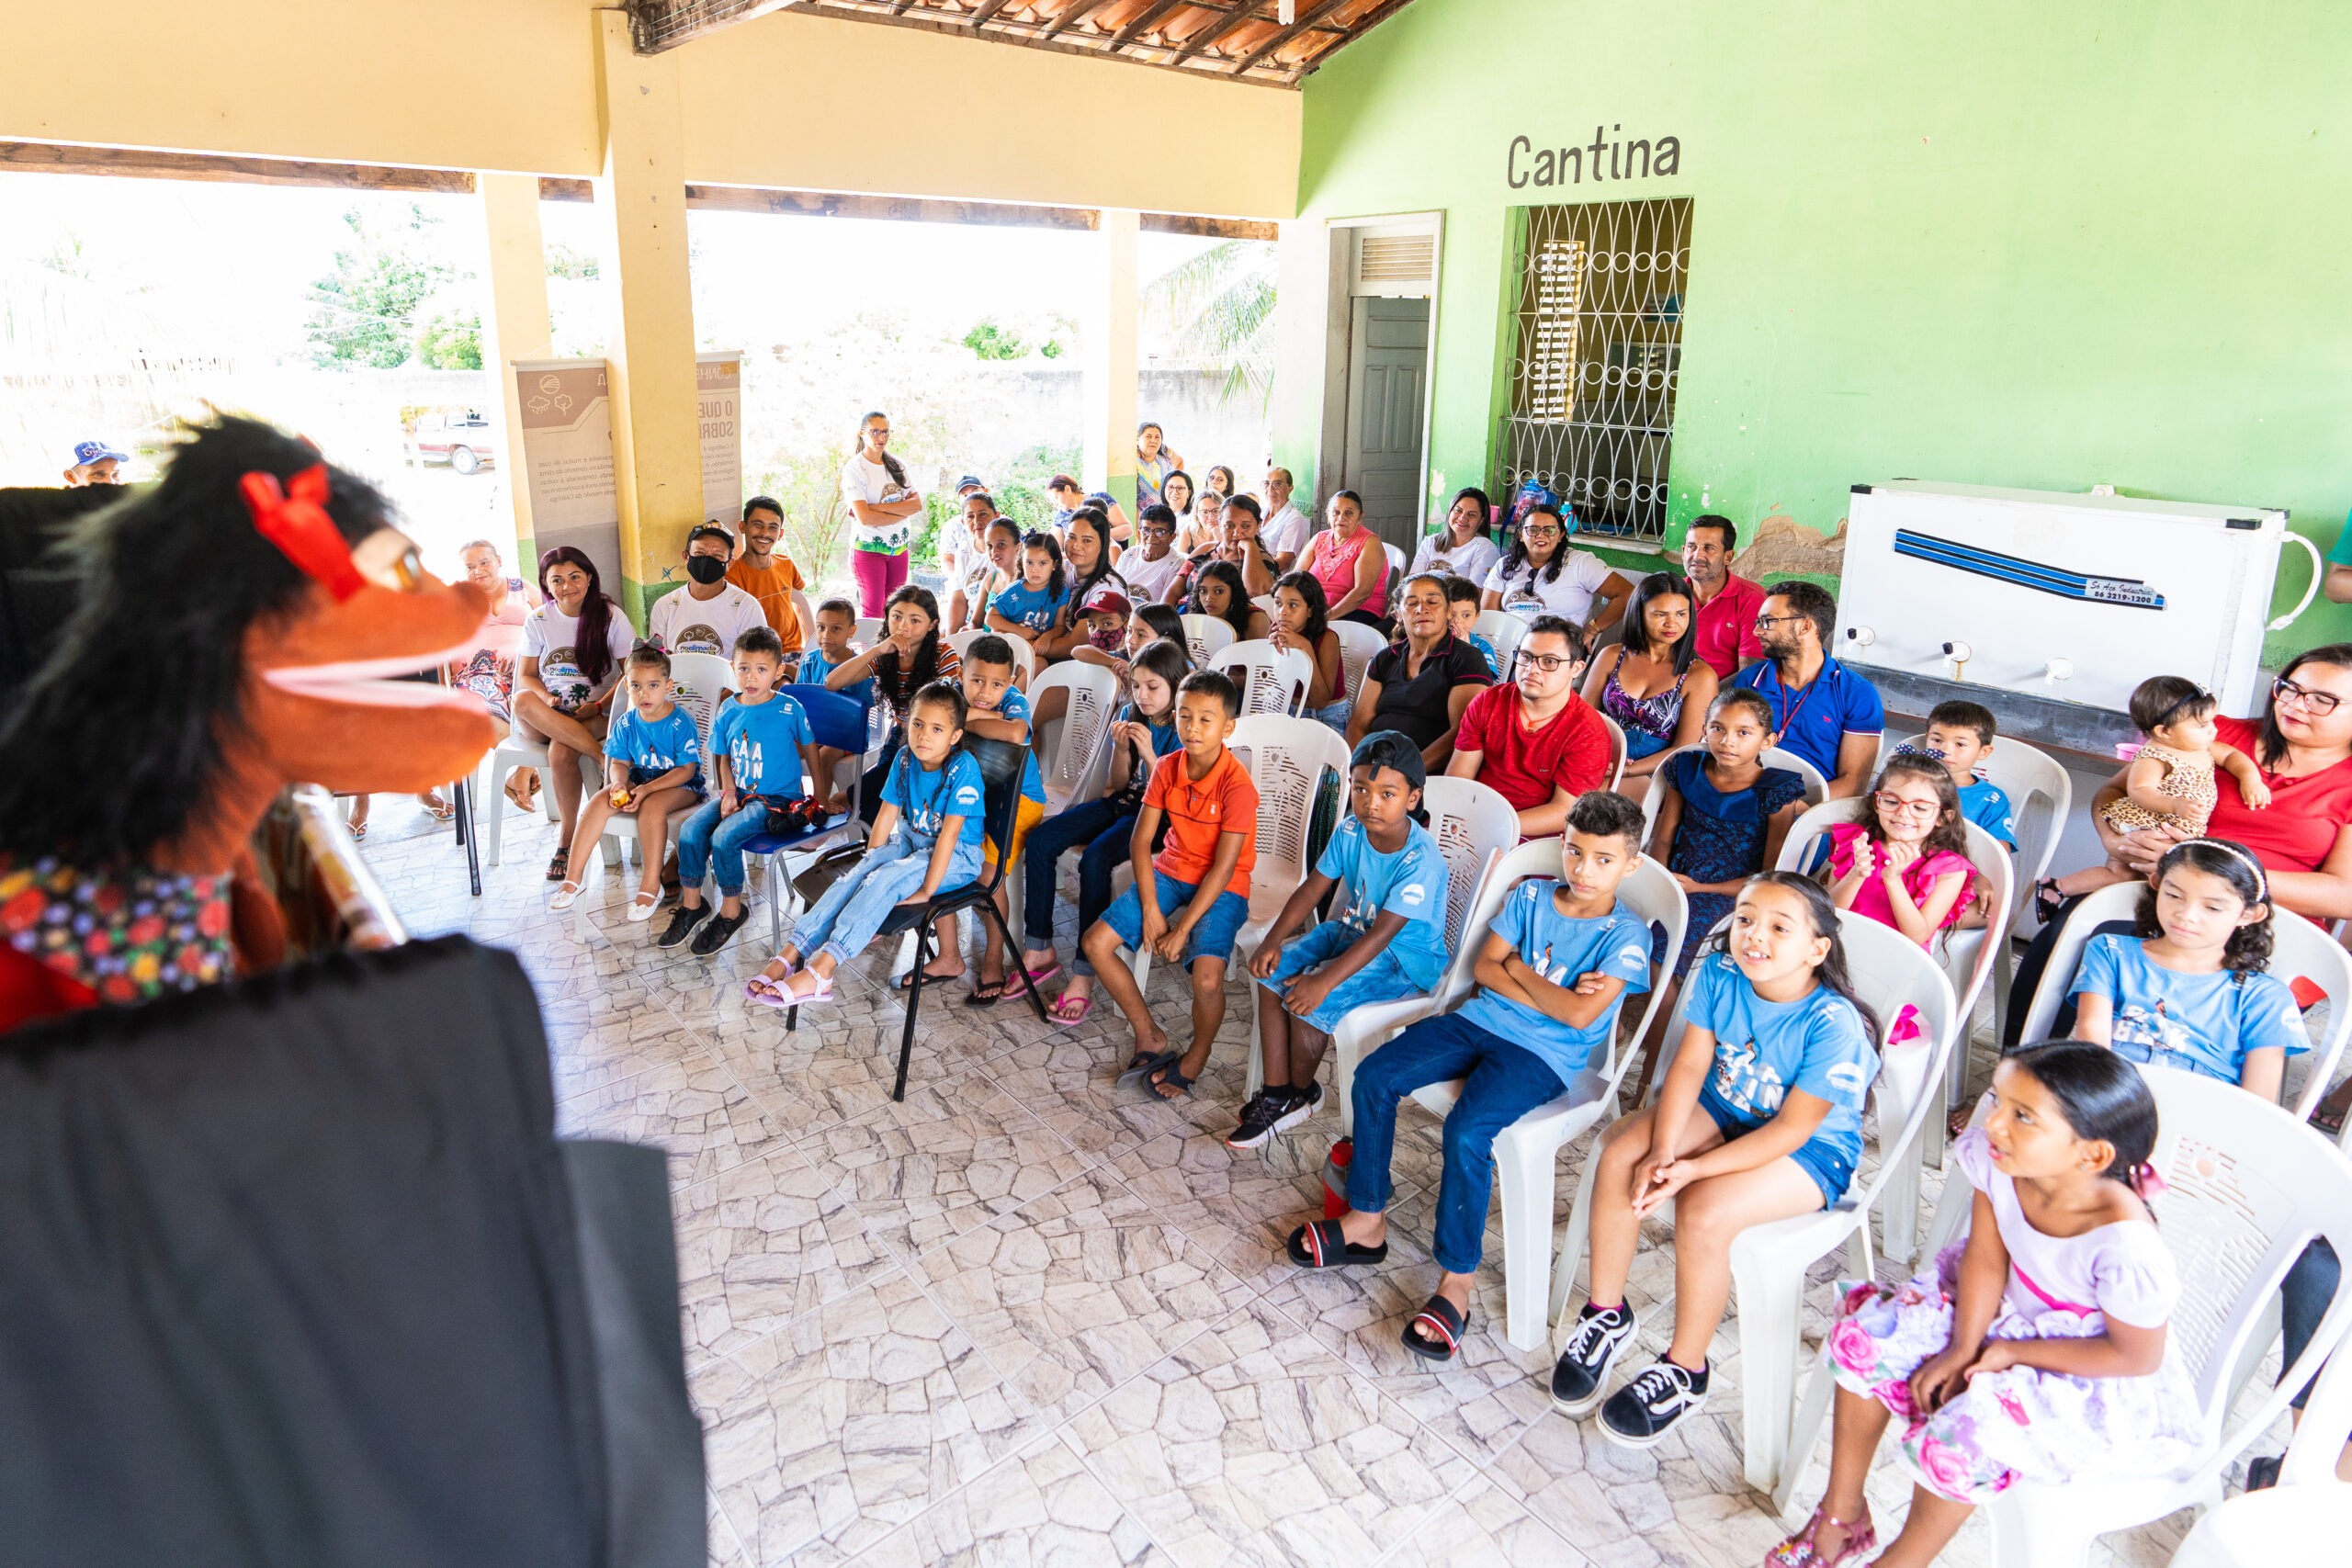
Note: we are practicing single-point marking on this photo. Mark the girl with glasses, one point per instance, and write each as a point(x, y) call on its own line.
point(1904, 862)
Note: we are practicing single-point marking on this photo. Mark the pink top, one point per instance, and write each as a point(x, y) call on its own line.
point(1334, 565)
point(2123, 1269)
point(1870, 900)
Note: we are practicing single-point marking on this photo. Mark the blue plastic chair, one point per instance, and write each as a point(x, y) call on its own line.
point(839, 721)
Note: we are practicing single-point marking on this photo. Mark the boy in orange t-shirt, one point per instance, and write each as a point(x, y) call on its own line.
point(1192, 899)
point(766, 576)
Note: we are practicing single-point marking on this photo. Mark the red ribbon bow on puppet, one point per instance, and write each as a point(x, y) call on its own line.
point(295, 519)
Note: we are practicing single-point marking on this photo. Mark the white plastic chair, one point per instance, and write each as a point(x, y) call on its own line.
point(1287, 759)
point(1025, 655)
point(1967, 956)
point(1475, 827)
point(1769, 1261)
point(2040, 793)
point(2263, 1529)
point(1505, 631)
point(1272, 680)
point(806, 615)
point(1527, 1152)
point(2249, 1187)
point(1266, 601)
point(2299, 949)
point(1076, 753)
point(868, 632)
point(1398, 567)
point(1207, 635)
point(1358, 645)
point(517, 750)
point(1616, 750)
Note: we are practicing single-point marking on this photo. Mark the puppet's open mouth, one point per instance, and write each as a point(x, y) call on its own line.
point(375, 682)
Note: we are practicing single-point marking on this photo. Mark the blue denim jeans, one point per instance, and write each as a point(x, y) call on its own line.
point(853, 908)
point(1505, 1082)
point(1106, 832)
point(2303, 1296)
point(707, 843)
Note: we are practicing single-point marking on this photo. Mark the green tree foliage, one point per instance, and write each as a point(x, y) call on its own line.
point(1222, 305)
point(565, 262)
point(364, 312)
point(451, 343)
point(990, 341)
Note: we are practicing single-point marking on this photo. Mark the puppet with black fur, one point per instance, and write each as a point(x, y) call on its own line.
point(204, 670)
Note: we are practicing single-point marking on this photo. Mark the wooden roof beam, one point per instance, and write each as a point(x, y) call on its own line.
point(1268, 45)
point(1071, 15)
point(1143, 21)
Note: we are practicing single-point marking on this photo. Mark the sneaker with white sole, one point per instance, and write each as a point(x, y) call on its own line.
point(1581, 1377)
point(1259, 1114)
point(1302, 1106)
point(1640, 1414)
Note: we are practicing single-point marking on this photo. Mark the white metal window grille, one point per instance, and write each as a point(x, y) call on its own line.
point(1596, 351)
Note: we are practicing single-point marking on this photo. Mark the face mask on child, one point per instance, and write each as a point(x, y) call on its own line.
point(1111, 637)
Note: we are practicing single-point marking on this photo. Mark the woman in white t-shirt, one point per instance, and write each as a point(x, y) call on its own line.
point(574, 648)
point(883, 507)
point(1467, 548)
point(1541, 575)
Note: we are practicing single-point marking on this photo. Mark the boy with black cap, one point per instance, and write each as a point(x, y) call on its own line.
point(1558, 959)
point(1388, 944)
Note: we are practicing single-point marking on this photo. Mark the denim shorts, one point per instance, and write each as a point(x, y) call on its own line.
point(1212, 936)
point(1382, 980)
point(1831, 1167)
point(639, 777)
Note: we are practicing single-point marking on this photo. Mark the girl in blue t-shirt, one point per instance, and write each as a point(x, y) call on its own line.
point(652, 772)
point(1037, 605)
point(1389, 942)
point(1760, 1119)
point(926, 837)
point(2189, 990)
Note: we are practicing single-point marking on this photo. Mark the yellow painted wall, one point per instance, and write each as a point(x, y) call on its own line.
point(788, 100)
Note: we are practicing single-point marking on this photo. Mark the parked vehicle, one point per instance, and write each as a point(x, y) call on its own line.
point(464, 440)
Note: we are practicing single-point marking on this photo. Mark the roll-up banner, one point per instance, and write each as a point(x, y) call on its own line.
point(718, 385)
point(568, 460)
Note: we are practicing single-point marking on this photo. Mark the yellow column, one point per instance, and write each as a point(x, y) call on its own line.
point(516, 328)
point(1111, 305)
point(642, 202)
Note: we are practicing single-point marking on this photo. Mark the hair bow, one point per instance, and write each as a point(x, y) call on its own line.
point(295, 519)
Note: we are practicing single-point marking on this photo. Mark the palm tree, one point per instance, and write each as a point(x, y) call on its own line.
point(1222, 305)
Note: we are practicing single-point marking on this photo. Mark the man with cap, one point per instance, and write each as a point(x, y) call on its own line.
point(93, 462)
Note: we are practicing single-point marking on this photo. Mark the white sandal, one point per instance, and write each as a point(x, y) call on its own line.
point(567, 895)
point(640, 910)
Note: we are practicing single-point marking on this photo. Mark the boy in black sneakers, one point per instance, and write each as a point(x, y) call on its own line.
point(759, 744)
point(1387, 945)
point(1556, 962)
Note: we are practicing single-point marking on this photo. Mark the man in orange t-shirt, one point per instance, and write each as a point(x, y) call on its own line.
point(1191, 899)
point(766, 576)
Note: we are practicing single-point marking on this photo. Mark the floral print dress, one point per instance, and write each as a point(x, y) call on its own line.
point(128, 936)
point(2049, 1426)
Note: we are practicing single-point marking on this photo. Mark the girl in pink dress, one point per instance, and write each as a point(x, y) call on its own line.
point(1905, 864)
point(2038, 1347)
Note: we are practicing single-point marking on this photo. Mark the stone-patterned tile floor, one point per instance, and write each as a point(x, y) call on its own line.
point(1025, 1316)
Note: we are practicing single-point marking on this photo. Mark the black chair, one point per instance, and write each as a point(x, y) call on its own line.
point(1001, 765)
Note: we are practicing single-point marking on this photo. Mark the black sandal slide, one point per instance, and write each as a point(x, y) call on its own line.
point(1435, 1332)
point(1323, 1245)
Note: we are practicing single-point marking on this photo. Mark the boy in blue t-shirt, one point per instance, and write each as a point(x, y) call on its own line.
point(759, 744)
point(994, 709)
point(1461, 619)
point(1387, 945)
point(1553, 970)
point(653, 769)
point(836, 623)
point(1960, 736)
point(926, 837)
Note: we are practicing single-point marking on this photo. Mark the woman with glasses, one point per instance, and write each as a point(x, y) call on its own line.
point(2301, 741)
point(1539, 575)
point(1654, 684)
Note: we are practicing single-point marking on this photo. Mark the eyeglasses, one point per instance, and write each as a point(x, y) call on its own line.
point(1895, 806)
point(1546, 662)
point(1544, 532)
point(1763, 622)
point(2318, 704)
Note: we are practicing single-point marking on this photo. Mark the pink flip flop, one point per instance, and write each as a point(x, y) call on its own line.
point(1060, 1015)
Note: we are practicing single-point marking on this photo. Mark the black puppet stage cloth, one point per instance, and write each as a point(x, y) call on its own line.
point(295, 1271)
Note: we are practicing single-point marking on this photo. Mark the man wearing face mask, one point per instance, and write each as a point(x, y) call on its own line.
point(709, 612)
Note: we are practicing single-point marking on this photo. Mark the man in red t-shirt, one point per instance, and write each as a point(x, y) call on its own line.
point(1725, 606)
point(1531, 739)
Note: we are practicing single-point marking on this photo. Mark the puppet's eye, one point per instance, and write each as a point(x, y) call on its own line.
point(389, 559)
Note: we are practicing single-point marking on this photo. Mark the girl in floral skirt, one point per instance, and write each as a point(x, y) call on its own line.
point(2038, 1348)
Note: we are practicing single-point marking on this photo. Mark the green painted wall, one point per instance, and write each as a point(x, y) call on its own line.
point(2007, 243)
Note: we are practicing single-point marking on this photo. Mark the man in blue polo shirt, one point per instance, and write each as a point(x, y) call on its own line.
point(1824, 713)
